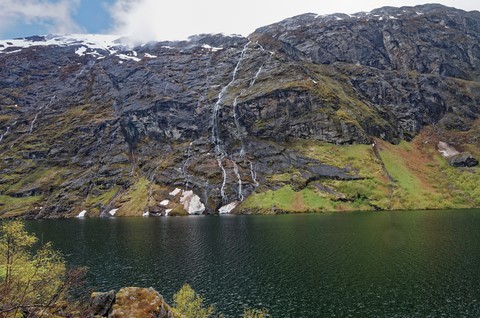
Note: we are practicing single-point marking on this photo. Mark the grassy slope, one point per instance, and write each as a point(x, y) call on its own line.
point(422, 180)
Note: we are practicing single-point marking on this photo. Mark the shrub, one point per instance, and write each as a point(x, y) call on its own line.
point(31, 282)
point(190, 305)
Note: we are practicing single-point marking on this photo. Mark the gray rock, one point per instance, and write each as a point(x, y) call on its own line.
point(463, 159)
point(91, 128)
point(101, 303)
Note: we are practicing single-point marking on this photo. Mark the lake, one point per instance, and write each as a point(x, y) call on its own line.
point(375, 264)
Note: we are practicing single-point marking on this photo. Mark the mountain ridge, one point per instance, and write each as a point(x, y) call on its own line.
point(242, 122)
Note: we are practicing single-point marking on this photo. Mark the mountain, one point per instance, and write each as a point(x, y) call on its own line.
point(313, 113)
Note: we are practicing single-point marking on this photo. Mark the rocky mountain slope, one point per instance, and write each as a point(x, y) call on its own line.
point(314, 113)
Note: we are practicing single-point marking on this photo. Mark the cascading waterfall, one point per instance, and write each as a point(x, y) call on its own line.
point(224, 173)
point(220, 152)
point(4, 134)
point(33, 122)
point(235, 101)
point(150, 189)
point(252, 82)
point(216, 108)
point(216, 139)
point(43, 107)
point(186, 177)
point(240, 191)
point(253, 174)
point(237, 122)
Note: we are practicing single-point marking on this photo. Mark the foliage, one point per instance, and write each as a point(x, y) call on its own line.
point(190, 305)
point(255, 313)
point(422, 179)
point(135, 199)
point(30, 281)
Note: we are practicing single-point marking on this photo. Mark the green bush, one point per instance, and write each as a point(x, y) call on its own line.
point(190, 305)
point(31, 282)
point(255, 313)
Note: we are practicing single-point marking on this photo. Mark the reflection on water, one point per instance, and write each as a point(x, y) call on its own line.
point(387, 264)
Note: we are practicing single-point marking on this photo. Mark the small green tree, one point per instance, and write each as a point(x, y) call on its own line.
point(30, 281)
point(255, 313)
point(190, 305)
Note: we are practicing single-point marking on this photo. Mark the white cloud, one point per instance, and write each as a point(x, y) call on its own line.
point(145, 20)
point(56, 17)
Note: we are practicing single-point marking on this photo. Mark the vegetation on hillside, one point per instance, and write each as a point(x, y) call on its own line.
point(410, 175)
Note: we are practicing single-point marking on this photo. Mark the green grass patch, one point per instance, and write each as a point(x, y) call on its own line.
point(410, 192)
point(103, 198)
point(135, 200)
point(41, 178)
point(11, 206)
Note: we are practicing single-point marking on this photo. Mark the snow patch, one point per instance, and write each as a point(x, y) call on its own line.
point(112, 212)
point(175, 192)
point(82, 214)
point(211, 48)
point(192, 203)
point(150, 56)
point(89, 41)
point(165, 202)
point(128, 57)
point(81, 51)
point(446, 150)
point(228, 208)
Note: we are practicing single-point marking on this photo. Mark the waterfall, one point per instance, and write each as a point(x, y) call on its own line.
point(216, 108)
point(220, 153)
point(240, 192)
point(224, 173)
point(253, 174)
point(40, 109)
point(186, 177)
point(4, 134)
point(252, 82)
point(235, 101)
point(33, 122)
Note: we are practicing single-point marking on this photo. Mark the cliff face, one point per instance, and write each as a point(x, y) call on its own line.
point(90, 125)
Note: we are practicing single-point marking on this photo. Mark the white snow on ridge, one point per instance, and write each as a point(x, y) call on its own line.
point(150, 56)
point(89, 41)
point(81, 51)
point(213, 49)
point(128, 57)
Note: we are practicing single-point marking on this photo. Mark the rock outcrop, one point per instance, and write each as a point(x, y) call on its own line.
point(130, 302)
point(464, 159)
point(92, 125)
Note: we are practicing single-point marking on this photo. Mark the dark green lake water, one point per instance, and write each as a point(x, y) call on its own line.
point(368, 264)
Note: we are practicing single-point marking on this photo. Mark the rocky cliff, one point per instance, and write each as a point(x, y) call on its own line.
point(314, 113)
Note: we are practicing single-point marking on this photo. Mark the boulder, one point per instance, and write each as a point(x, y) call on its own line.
point(463, 159)
point(136, 302)
point(101, 303)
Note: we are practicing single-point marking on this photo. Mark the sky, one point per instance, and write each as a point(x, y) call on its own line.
point(172, 19)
